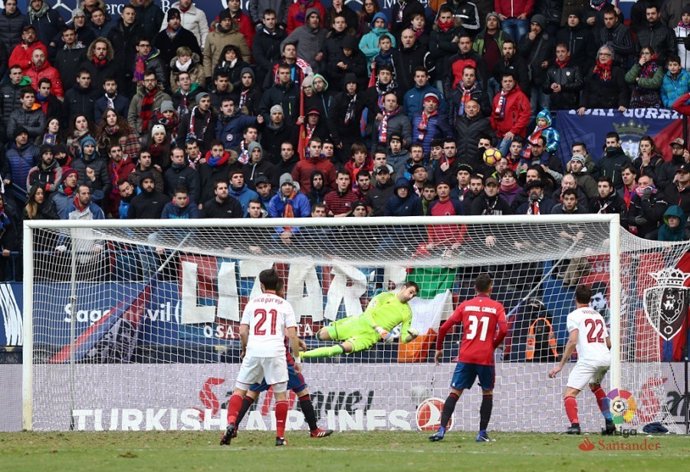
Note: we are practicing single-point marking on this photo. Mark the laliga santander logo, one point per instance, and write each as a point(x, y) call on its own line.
point(623, 406)
point(429, 415)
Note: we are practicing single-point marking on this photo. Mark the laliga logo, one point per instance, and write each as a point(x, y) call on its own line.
point(429, 415)
point(623, 406)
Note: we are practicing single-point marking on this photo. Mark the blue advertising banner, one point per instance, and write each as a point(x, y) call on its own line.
point(591, 128)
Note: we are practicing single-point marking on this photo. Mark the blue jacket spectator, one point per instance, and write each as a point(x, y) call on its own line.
point(404, 201)
point(675, 84)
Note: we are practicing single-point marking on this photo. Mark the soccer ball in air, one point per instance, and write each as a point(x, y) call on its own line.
point(491, 156)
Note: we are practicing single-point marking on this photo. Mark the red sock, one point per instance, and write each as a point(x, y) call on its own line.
point(234, 408)
point(281, 416)
point(600, 395)
point(571, 409)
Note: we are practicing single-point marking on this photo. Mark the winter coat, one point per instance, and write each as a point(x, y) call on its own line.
point(49, 177)
point(619, 38)
point(302, 172)
point(22, 57)
point(570, 80)
point(309, 42)
point(173, 212)
point(674, 87)
point(516, 116)
point(535, 52)
point(150, 17)
point(100, 188)
point(229, 208)
point(11, 28)
point(80, 101)
point(67, 63)
point(467, 132)
point(581, 45)
point(285, 96)
point(682, 34)
point(397, 124)
point(243, 195)
point(34, 121)
point(645, 91)
point(437, 128)
point(48, 24)
point(660, 37)
point(168, 47)
point(21, 161)
point(114, 67)
point(610, 165)
point(610, 94)
point(134, 112)
point(229, 129)
point(194, 20)
point(266, 50)
point(216, 41)
point(101, 104)
point(182, 176)
point(10, 95)
point(408, 206)
point(147, 205)
point(301, 207)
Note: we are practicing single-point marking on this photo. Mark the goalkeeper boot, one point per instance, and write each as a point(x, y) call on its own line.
point(228, 435)
point(320, 433)
point(482, 437)
point(609, 429)
point(438, 435)
point(574, 429)
point(281, 441)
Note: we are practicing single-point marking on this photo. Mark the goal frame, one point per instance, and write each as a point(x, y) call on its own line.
point(30, 226)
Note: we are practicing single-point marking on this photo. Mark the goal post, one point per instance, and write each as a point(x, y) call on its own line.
point(132, 324)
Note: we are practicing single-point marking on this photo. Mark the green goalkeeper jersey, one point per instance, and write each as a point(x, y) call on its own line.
point(386, 311)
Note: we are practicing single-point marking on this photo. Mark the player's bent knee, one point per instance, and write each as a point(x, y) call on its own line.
point(280, 388)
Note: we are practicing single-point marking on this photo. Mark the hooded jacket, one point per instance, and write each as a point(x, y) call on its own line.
point(408, 206)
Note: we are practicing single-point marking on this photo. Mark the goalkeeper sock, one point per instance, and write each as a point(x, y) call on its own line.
point(234, 408)
point(307, 408)
point(281, 415)
point(571, 409)
point(448, 409)
point(604, 403)
point(326, 351)
point(246, 404)
point(485, 411)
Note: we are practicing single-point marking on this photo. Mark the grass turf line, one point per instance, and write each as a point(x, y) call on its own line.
point(351, 451)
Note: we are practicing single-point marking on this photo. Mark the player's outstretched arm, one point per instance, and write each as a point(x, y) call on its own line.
point(567, 353)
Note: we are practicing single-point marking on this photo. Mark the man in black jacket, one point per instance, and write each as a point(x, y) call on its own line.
point(149, 203)
point(223, 205)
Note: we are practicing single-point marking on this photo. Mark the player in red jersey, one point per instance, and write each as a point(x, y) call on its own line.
point(589, 336)
point(483, 329)
point(266, 321)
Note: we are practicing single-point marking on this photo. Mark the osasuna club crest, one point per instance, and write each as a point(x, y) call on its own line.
point(666, 304)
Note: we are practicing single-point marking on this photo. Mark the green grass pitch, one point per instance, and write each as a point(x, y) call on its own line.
point(352, 451)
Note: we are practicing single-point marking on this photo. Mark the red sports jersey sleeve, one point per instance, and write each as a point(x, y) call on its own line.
point(484, 327)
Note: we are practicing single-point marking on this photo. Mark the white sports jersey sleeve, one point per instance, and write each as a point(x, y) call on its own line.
point(267, 316)
point(592, 334)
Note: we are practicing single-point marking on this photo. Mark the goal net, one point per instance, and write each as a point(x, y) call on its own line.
point(133, 325)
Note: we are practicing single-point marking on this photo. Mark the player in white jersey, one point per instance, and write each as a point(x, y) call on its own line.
point(266, 321)
point(589, 335)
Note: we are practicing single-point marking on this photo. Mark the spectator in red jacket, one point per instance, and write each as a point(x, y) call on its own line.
point(511, 112)
point(22, 52)
point(40, 69)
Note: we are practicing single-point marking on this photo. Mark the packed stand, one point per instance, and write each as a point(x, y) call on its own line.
point(302, 110)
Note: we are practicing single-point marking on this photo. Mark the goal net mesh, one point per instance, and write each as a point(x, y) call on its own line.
point(136, 327)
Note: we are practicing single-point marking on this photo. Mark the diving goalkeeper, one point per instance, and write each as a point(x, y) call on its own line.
point(357, 333)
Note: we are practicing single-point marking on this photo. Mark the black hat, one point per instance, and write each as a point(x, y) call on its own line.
point(683, 168)
point(465, 167)
point(262, 179)
point(396, 136)
point(443, 182)
point(534, 184)
point(20, 130)
point(415, 167)
point(224, 15)
point(382, 170)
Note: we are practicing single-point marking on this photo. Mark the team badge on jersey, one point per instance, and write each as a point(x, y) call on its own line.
point(666, 304)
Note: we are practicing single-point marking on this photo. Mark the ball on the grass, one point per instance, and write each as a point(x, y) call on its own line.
point(491, 156)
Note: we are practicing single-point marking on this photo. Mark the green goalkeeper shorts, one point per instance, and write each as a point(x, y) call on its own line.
point(354, 330)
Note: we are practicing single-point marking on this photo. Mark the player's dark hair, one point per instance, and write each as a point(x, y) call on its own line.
point(269, 279)
point(483, 283)
point(583, 293)
point(410, 283)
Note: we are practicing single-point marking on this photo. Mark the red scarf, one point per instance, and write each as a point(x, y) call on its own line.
point(500, 110)
point(147, 109)
point(139, 68)
point(445, 26)
point(603, 71)
point(424, 124)
point(562, 64)
point(77, 204)
point(99, 62)
point(383, 126)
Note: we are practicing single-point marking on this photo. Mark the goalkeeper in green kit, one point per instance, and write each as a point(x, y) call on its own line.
point(357, 333)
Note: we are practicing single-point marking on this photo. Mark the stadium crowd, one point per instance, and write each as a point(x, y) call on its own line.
point(298, 110)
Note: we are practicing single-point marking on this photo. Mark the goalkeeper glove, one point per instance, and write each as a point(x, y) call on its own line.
point(382, 332)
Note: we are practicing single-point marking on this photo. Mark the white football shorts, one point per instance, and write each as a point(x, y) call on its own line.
point(585, 373)
point(255, 369)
